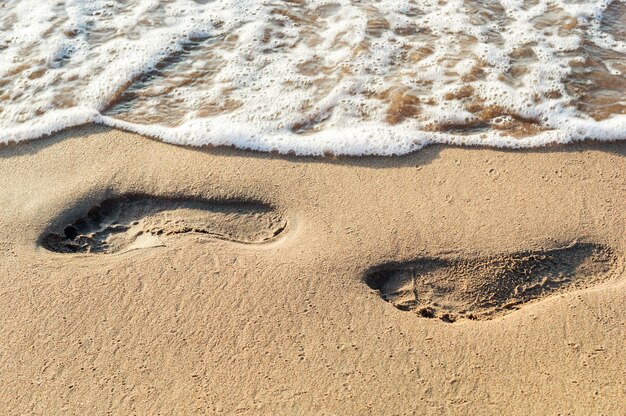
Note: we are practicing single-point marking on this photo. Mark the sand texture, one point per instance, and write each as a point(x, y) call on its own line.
point(141, 278)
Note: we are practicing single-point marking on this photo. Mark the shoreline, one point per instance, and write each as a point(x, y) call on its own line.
point(516, 143)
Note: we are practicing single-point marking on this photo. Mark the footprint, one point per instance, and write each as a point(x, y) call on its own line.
point(487, 287)
point(133, 222)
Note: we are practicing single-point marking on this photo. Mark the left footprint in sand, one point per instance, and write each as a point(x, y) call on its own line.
point(138, 221)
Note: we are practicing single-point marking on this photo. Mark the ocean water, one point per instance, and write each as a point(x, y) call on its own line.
point(317, 76)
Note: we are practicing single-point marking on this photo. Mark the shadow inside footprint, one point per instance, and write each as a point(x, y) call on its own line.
point(135, 221)
point(484, 288)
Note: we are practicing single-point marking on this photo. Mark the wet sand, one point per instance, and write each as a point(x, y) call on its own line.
point(143, 278)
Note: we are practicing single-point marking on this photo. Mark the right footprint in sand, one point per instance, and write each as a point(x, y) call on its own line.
point(487, 287)
point(132, 222)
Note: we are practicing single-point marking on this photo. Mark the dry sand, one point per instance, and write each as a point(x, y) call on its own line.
point(223, 281)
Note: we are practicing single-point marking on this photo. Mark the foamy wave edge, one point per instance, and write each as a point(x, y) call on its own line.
point(366, 139)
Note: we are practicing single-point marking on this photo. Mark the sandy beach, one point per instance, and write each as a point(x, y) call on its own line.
point(144, 278)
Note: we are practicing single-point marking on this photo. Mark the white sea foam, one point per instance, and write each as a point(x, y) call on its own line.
point(317, 76)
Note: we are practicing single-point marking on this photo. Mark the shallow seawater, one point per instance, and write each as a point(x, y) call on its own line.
point(317, 76)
